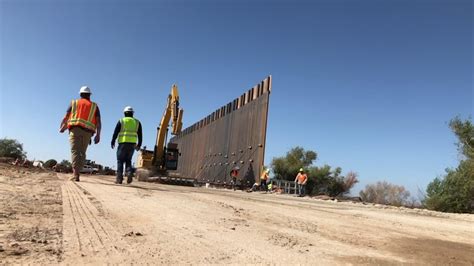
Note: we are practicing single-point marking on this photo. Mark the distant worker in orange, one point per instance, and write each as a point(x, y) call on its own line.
point(263, 180)
point(301, 179)
point(234, 173)
point(82, 119)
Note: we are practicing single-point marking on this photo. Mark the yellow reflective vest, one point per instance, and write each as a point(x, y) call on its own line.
point(129, 130)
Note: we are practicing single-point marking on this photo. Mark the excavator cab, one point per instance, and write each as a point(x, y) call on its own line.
point(171, 156)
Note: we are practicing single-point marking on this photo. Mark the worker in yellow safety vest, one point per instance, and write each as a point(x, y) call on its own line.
point(82, 119)
point(263, 180)
point(129, 133)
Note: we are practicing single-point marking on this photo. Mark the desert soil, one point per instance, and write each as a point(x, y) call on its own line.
point(45, 219)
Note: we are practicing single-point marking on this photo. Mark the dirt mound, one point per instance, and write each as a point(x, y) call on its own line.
point(30, 215)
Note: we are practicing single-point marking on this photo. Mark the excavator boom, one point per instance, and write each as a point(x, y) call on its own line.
point(175, 114)
point(163, 158)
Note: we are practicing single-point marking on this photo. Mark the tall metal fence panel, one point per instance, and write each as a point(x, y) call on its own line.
point(233, 135)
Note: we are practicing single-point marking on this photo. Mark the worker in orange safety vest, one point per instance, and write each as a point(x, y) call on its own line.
point(301, 180)
point(82, 119)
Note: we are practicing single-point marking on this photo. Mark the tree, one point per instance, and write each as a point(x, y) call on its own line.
point(350, 180)
point(464, 131)
point(385, 193)
point(455, 191)
point(50, 163)
point(11, 148)
point(324, 180)
point(66, 163)
point(287, 167)
point(64, 166)
point(321, 180)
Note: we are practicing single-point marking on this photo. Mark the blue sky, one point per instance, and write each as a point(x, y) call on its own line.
point(369, 85)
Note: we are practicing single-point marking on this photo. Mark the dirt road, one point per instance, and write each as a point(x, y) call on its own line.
point(48, 220)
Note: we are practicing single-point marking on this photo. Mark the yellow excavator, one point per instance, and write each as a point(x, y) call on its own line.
point(162, 158)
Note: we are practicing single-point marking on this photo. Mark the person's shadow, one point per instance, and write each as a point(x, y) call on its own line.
point(249, 177)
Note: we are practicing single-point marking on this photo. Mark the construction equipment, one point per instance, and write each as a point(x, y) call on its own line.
point(162, 158)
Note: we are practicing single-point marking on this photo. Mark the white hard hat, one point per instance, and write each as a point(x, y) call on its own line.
point(128, 109)
point(85, 89)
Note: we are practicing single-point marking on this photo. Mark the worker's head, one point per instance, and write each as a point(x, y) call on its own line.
point(237, 168)
point(267, 171)
point(128, 111)
point(301, 170)
point(85, 92)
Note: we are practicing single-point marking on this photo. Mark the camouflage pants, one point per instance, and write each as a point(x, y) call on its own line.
point(79, 139)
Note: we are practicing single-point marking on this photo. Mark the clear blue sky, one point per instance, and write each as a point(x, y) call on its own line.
point(369, 85)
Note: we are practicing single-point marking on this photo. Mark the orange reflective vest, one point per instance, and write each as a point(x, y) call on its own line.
point(301, 178)
point(264, 176)
point(83, 114)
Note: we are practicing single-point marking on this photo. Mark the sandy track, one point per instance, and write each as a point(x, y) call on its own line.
point(197, 225)
point(151, 223)
point(88, 236)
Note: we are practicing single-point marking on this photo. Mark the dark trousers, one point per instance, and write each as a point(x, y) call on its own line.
point(124, 155)
point(301, 190)
point(234, 182)
point(263, 185)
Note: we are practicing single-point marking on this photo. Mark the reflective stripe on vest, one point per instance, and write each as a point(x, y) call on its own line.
point(129, 130)
point(83, 114)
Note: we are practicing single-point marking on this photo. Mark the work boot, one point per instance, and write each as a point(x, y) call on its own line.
point(75, 175)
point(74, 178)
point(129, 179)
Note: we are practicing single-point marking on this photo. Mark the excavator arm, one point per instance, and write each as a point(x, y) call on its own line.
point(175, 114)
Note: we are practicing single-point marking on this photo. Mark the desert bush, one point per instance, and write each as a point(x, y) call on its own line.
point(50, 163)
point(11, 148)
point(385, 193)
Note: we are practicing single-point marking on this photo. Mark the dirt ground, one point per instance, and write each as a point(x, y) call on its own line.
point(45, 219)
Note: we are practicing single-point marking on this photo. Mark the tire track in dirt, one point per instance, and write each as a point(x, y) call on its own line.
point(83, 221)
point(80, 226)
point(89, 207)
point(70, 221)
point(89, 220)
point(177, 231)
